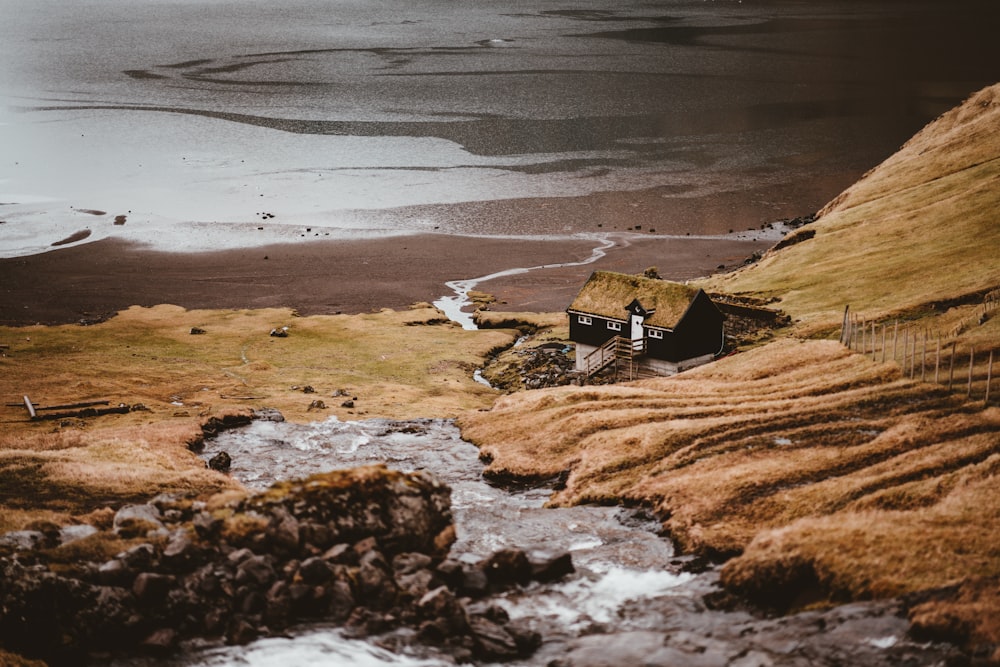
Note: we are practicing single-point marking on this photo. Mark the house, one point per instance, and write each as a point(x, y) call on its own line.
point(643, 325)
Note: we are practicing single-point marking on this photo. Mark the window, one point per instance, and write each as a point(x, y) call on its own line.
point(615, 326)
point(583, 319)
point(654, 333)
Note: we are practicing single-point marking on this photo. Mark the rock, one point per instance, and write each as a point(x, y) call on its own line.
point(150, 588)
point(268, 415)
point(206, 526)
point(283, 531)
point(551, 568)
point(139, 557)
point(280, 333)
point(197, 331)
point(23, 540)
point(347, 404)
point(241, 633)
point(315, 571)
point(492, 641)
point(114, 573)
point(508, 567)
point(180, 550)
point(255, 569)
point(136, 520)
point(221, 462)
point(305, 549)
point(160, 641)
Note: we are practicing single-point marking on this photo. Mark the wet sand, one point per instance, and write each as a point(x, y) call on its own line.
point(96, 280)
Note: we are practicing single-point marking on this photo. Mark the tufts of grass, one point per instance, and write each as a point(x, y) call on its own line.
point(917, 229)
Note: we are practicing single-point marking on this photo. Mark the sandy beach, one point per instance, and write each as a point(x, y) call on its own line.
point(94, 280)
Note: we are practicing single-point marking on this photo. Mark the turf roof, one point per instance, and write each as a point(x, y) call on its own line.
point(606, 294)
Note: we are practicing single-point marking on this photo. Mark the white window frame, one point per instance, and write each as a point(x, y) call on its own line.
point(654, 333)
point(584, 319)
point(614, 326)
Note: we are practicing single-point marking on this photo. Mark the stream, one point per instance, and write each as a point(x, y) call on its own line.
point(454, 306)
point(629, 601)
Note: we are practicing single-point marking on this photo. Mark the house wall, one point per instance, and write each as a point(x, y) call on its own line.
point(700, 332)
point(697, 338)
point(595, 334)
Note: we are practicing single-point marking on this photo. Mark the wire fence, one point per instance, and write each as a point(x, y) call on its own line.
point(930, 355)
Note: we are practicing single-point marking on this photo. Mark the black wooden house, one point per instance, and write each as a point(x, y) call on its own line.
point(643, 325)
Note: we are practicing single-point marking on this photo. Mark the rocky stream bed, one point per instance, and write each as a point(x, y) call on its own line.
point(404, 555)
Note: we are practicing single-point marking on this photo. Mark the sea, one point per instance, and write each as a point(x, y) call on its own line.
point(205, 124)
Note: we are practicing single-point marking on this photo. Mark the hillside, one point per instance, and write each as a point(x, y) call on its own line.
point(921, 228)
point(822, 474)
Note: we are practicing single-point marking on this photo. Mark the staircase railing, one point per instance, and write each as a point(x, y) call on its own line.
point(623, 352)
point(601, 358)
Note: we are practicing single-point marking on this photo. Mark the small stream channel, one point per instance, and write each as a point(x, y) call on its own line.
point(453, 306)
point(628, 603)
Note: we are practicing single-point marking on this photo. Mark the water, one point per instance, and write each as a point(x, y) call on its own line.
point(628, 601)
point(221, 123)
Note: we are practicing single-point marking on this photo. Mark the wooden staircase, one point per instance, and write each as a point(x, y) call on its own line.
point(624, 353)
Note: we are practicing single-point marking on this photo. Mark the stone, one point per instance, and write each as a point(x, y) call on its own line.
point(180, 549)
point(241, 633)
point(551, 568)
point(23, 540)
point(508, 567)
point(492, 642)
point(315, 571)
point(136, 520)
point(150, 588)
point(206, 526)
point(410, 562)
point(114, 573)
point(221, 462)
point(268, 415)
point(283, 531)
point(139, 557)
point(255, 569)
point(160, 641)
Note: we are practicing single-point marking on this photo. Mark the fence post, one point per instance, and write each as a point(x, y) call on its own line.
point(895, 337)
point(989, 378)
point(843, 326)
point(906, 349)
point(923, 357)
point(937, 360)
point(972, 356)
point(951, 366)
point(883, 343)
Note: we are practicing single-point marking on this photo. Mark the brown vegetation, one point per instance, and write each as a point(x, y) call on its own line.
point(820, 473)
point(147, 357)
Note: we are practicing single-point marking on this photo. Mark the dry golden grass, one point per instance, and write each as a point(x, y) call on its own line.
point(397, 364)
point(821, 473)
point(799, 455)
point(919, 228)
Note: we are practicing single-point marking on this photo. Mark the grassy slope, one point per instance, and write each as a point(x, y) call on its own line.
point(922, 227)
point(825, 474)
point(397, 364)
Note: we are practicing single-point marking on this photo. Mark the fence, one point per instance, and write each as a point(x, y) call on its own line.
point(926, 354)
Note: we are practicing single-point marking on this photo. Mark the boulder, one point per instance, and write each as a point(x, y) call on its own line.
point(221, 462)
point(137, 520)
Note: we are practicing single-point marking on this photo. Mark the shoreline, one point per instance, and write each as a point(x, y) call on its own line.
point(93, 281)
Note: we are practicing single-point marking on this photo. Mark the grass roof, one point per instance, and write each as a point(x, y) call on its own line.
point(606, 294)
